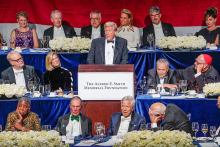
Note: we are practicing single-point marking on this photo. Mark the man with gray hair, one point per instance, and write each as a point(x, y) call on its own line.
point(157, 28)
point(110, 49)
point(19, 73)
point(162, 75)
point(126, 120)
point(96, 29)
point(169, 117)
point(58, 29)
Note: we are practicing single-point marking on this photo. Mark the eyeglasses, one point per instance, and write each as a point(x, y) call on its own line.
point(154, 15)
point(96, 18)
point(17, 60)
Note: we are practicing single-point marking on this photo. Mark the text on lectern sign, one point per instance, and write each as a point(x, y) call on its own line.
point(105, 85)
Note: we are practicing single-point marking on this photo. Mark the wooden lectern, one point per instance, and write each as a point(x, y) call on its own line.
point(100, 110)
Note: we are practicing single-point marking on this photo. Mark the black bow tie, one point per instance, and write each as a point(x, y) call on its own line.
point(108, 41)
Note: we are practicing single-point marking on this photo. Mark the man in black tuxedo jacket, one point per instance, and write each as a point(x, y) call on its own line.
point(109, 50)
point(58, 29)
point(96, 29)
point(169, 117)
point(157, 28)
point(75, 123)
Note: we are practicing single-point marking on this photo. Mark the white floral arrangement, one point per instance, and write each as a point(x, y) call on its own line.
point(31, 139)
point(10, 90)
point(186, 42)
point(212, 89)
point(156, 139)
point(76, 44)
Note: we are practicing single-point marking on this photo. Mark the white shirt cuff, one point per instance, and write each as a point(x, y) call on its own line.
point(198, 74)
point(153, 125)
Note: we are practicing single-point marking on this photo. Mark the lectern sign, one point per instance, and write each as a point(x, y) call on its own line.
point(105, 85)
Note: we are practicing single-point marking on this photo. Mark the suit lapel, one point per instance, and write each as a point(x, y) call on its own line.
point(26, 75)
point(153, 32)
point(83, 125)
point(11, 75)
point(165, 32)
point(132, 123)
point(89, 32)
point(117, 124)
point(116, 50)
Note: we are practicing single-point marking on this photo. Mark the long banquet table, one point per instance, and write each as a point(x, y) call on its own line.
point(142, 60)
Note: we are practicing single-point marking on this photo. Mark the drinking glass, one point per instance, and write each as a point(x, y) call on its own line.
point(150, 40)
point(41, 89)
point(99, 128)
point(204, 128)
point(143, 127)
point(142, 85)
point(47, 89)
point(46, 127)
point(45, 41)
point(173, 91)
point(183, 85)
point(30, 86)
point(159, 88)
point(195, 127)
point(212, 131)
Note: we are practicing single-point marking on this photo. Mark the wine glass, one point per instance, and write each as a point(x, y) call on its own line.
point(212, 131)
point(99, 128)
point(183, 85)
point(45, 41)
point(142, 85)
point(150, 40)
point(30, 86)
point(46, 127)
point(204, 128)
point(195, 127)
point(47, 89)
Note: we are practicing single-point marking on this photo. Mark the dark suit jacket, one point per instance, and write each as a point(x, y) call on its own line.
point(168, 30)
point(153, 79)
point(29, 75)
point(97, 52)
point(198, 83)
point(86, 125)
point(136, 121)
point(87, 31)
point(176, 119)
point(68, 31)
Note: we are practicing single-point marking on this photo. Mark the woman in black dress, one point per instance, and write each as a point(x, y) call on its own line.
point(211, 32)
point(57, 76)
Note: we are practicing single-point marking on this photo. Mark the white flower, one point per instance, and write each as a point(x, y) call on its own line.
point(212, 88)
point(10, 90)
point(155, 139)
point(70, 44)
point(192, 42)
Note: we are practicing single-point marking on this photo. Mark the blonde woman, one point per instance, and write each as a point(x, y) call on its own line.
point(23, 36)
point(55, 75)
point(127, 30)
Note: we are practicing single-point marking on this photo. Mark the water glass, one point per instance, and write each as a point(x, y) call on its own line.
point(47, 89)
point(204, 128)
point(41, 89)
point(212, 131)
point(46, 127)
point(99, 128)
point(142, 85)
point(45, 41)
point(195, 127)
point(173, 91)
point(183, 85)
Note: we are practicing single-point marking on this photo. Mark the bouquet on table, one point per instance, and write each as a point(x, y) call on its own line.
point(10, 90)
point(159, 138)
point(31, 139)
point(212, 89)
point(75, 44)
point(182, 42)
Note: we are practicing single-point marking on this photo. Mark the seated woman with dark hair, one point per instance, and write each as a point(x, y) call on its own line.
point(23, 119)
point(57, 76)
point(211, 32)
point(23, 36)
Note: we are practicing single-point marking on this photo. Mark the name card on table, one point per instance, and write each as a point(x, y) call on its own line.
point(105, 85)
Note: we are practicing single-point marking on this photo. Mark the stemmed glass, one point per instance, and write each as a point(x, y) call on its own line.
point(146, 126)
point(45, 41)
point(204, 128)
point(195, 127)
point(183, 85)
point(31, 86)
point(142, 85)
point(150, 40)
point(212, 131)
point(46, 127)
point(99, 128)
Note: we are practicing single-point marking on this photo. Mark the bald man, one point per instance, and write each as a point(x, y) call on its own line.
point(199, 74)
point(19, 73)
point(169, 117)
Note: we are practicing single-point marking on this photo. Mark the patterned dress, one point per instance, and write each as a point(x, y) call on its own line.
point(31, 122)
point(24, 39)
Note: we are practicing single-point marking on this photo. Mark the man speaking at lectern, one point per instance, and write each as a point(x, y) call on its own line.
point(109, 50)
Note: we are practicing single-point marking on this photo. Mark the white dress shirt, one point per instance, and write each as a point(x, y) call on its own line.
point(131, 34)
point(73, 128)
point(109, 52)
point(158, 31)
point(58, 32)
point(96, 32)
point(124, 125)
point(19, 77)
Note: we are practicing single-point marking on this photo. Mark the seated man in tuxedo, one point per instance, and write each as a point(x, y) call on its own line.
point(163, 76)
point(109, 50)
point(169, 117)
point(75, 123)
point(199, 74)
point(96, 29)
point(157, 28)
point(58, 29)
point(19, 73)
point(126, 120)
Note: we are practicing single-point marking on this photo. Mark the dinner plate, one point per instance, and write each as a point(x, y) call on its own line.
point(204, 138)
